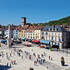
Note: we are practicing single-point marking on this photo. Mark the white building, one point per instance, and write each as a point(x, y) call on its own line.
point(15, 34)
point(37, 34)
point(29, 35)
point(56, 35)
point(6, 32)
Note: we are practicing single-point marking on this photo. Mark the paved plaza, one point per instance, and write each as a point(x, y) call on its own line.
point(21, 57)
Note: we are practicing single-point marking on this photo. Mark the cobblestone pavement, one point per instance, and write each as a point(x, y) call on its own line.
point(51, 66)
point(68, 68)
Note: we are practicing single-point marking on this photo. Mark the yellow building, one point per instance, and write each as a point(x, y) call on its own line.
point(33, 32)
point(21, 34)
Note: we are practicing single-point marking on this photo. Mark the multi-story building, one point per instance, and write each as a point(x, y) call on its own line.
point(15, 34)
point(67, 28)
point(21, 34)
point(55, 35)
point(22, 31)
point(13, 31)
point(37, 34)
point(6, 32)
point(1, 33)
point(33, 32)
point(29, 35)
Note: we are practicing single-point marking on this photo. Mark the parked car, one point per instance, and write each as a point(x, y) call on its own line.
point(42, 46)
point(46, 47)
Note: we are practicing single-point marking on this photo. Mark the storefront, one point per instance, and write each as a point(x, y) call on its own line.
point(45, 42)
point(30, 40)
point(36, 41)
point(23, 39)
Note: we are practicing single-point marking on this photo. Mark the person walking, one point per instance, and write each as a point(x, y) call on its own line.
point(49, 57)
point(62, 61)
point(35, 62)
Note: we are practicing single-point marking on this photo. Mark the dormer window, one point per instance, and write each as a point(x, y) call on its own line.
point(42, 33)
point(46, 33)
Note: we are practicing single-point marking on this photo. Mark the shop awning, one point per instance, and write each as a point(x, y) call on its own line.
point(35, 41)
point(23, 38)
point(44, 41)
point(29, 40)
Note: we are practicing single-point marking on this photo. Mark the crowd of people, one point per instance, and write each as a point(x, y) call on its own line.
point(24, 54)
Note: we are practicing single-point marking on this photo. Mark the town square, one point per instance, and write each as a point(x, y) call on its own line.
point(34, 35)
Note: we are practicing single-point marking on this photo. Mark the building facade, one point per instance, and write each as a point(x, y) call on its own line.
point(56, 35)
point(15, 34)
point(37, 34)
point(33, 32)
point(6, 32)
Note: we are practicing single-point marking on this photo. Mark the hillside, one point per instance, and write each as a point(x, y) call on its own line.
point(65, 21)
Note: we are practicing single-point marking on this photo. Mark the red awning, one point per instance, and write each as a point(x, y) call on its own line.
point(35, 41)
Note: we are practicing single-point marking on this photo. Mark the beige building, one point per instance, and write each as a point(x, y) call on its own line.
point(37, 34)
point(33, 32)
point(29, 35)
point(21, 34)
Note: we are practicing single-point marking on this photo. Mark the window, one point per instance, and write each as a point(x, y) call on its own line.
point(42, 33)
point(54, 29)
point(57, 29)
point(46, 33)
point(52, 37)
point(42, 37)
point(50, 29)
point(47, 29)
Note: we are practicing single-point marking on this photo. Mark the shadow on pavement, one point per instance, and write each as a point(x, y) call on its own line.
point(65, 65)
point(4, 67)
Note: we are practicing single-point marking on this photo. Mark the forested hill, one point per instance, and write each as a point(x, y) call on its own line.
point(65, 21)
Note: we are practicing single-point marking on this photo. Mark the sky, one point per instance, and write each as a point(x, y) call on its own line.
point(36, 11)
